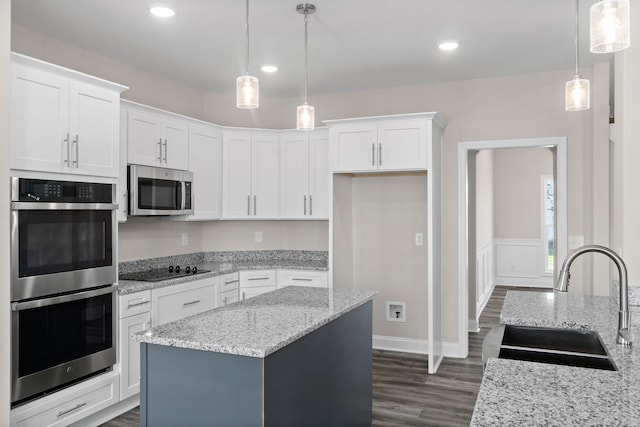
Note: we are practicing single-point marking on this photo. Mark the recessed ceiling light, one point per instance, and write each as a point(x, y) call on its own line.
point(162, 11)
point(449, 45)
point(269, 68)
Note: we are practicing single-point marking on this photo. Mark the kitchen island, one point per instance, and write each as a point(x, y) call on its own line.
point(292, 357)
point(521, 393)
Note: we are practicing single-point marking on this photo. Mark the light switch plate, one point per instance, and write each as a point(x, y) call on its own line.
point(258, 237)
point(419, 239)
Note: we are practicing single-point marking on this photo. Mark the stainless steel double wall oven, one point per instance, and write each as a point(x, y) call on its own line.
point(63, 275)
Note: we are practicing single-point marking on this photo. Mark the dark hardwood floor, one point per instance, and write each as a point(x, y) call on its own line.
point(405, 395)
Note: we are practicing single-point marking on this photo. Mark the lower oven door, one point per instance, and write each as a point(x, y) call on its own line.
point(59, 340)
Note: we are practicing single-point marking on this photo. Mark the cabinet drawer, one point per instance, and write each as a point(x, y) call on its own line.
point(69, 405)
point(132, 304)
point(229, 282)
point(176, 302)
point(257, 278)
point(302, 278)
point(228, 297)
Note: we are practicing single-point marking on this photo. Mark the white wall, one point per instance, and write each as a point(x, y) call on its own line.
point(484, 198)
point(511, 107)
point(5, 42)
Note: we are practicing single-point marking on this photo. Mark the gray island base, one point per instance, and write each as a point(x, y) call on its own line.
point(309, 365)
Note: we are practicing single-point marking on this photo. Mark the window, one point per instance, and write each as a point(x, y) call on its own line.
point(548, 231)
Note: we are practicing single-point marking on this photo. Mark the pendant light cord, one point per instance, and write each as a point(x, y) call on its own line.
point(577, 35)
point(247, 34)
point(306, 21)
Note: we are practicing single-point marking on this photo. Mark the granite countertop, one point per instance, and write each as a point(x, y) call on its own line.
point(261, 325)
point(523, 393)
point(217, 268)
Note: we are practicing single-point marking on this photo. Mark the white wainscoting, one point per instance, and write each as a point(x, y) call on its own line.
point(519, 262)
point(485, 282)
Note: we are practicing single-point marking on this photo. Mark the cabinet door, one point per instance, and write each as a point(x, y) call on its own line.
point(130, 353)
point(354, 147)
point(94, 123)
point(294, 176)
point(175, 145)
point(264, 176)
point(228, 297)
point(252, 292)
point(144, 138)
point(39, 120)
point(402, 144)
point(319, 175)
point(236, 175)
point(205, 161)
point(179, 301)
point(302, 278)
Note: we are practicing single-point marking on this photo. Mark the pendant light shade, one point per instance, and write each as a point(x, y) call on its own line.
point(577, 92)
point(247, 89)
point(609, 26)
point(305, 113)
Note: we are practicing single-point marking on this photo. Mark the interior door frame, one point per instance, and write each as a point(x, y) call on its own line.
point(560, 169)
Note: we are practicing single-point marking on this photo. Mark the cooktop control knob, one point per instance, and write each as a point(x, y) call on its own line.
point(177, 269)
point(187, 269)
point(194, 270)
point(171, 269)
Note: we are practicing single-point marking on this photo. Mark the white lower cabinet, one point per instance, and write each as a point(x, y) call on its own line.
point(229, 284)
point(135, 316)
point(186, 299)
point(256, 282)
point(71, 404)
point(316, 279)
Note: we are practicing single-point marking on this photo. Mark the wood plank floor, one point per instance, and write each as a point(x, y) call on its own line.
point(405, 395)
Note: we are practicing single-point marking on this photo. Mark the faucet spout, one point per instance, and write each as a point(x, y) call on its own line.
point(624, 336)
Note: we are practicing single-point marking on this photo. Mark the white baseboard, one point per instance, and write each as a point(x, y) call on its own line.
point(525, 282)
point(412, 345)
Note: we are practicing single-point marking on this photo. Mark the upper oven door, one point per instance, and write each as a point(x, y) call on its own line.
point(159, 191)
point(61, 247)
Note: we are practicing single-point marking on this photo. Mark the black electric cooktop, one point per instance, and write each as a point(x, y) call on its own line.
point(159, 274)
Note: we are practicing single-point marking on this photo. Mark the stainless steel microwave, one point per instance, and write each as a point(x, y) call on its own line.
point(159, 191)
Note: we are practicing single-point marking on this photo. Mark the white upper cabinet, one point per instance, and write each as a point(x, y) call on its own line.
point(389, 143)
point(249, 175)
point(63, 121)
point(157, 138)
point(205, 161)
point(304, 175)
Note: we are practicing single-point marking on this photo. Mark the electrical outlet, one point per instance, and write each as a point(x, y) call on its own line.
point(258, 237)
point(185, 239)
point(419, 239)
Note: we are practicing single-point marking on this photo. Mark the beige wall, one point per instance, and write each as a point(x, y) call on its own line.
point(517, 190)
point(523, 106)
point(484, 198)
point(5, 42)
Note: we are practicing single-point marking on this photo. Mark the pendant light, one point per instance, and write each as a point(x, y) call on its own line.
point(577, 94)
point(305, 114)
point(609, 26)
point(247, 92)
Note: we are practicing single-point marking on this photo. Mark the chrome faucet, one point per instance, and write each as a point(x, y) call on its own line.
point(624, 336)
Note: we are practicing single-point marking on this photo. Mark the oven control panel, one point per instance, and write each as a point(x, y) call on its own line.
point(39, 190)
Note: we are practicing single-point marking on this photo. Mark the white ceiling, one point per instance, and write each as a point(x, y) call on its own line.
point(353, 44)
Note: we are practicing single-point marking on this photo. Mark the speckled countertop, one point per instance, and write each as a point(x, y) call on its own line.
point(261, 325)
point(222, 263)
point(519, 393)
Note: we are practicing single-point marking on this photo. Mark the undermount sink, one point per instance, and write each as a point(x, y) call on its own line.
point(559, 346)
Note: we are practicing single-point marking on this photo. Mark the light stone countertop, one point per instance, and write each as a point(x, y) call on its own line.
point(261, 325)
point(218, 268)
point(519, 393)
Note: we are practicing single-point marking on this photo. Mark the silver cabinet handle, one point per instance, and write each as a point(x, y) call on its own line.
point(305, 205)
point(302, 279)
point(166, 150)
point(379, 154)
point(249, 205)
point(231, 281)
point(125, 203)
point(78, 406)
point(186, 304)
point(254, 205)
point(225, 301)
point(68, 150)
point(160, 150)
point(138, 304)
point(310, 204)
point(243, 296)
point(258, 278)
point(373, 154)
point(77, 143)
